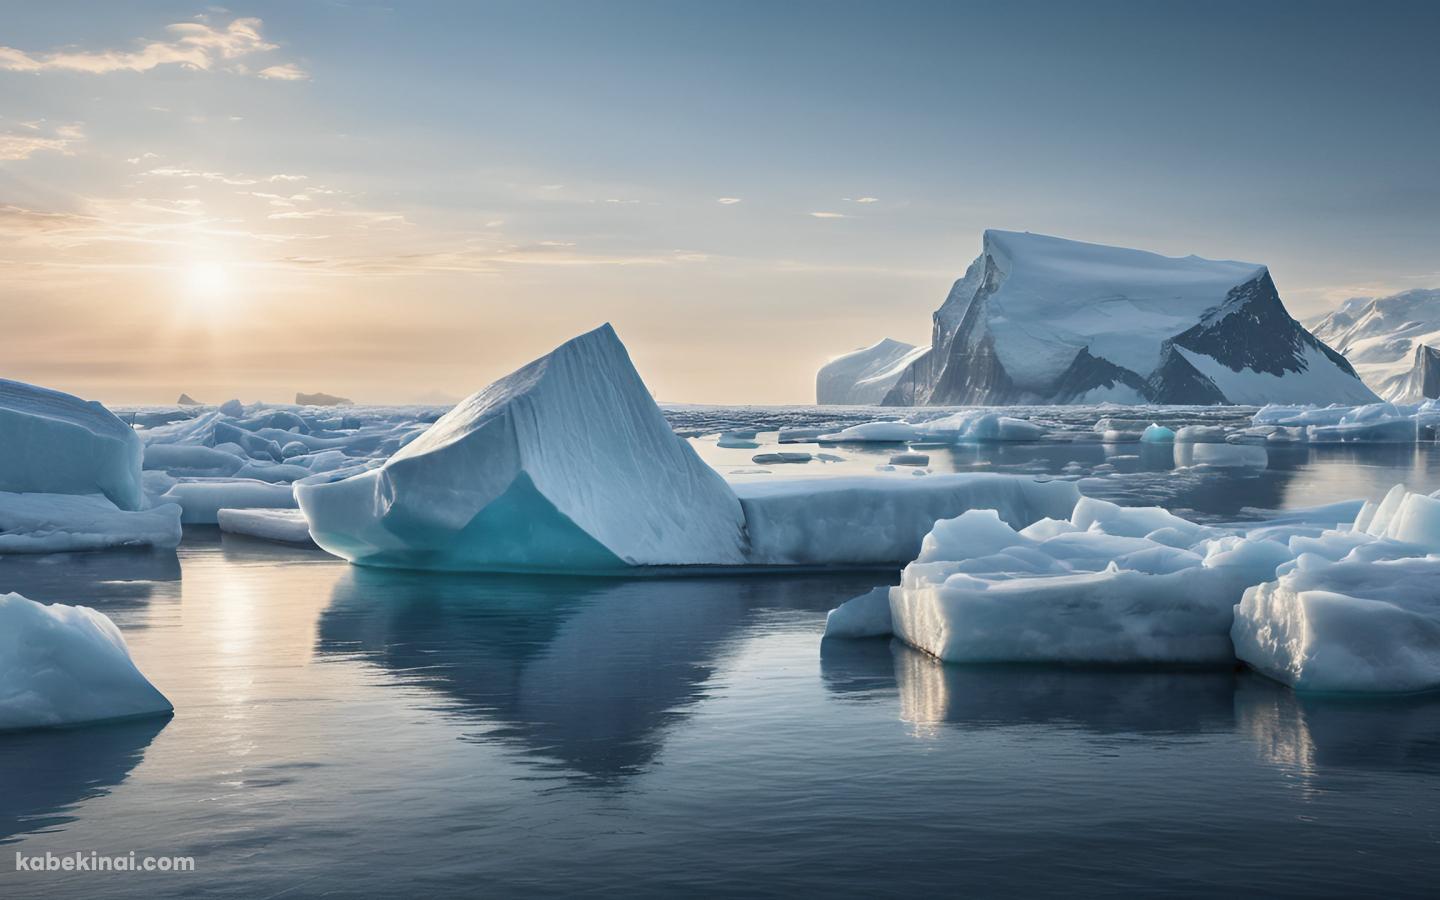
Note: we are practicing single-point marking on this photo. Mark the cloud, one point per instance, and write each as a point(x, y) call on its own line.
point(35, 137)
point(192, 45)
point(221, 177)
point(285, 72)
point(829, 215)
point(862, 199)
point(727, 201)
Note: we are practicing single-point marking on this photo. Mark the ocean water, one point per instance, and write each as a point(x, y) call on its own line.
point(346, 732)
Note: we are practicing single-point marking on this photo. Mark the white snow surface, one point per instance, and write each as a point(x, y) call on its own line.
point(566, 463)
point(282, 526)
point(55, 523)
point(863, 377)
point(876, 520)
point(1380, 335)
point(1058, 296)
point(67, 665)
point(52, 442)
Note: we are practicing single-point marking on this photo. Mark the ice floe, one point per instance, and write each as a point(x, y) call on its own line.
point(67, 665)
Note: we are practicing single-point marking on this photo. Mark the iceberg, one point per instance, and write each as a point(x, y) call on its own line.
point(876, 433)
point(321, 399)
point(1040, 319)
point(878, 520)
point(67, 665)
point(55, 443)
point(863, 377)
point(57, 523)
point(979, 426)
point(203, 500)
point(1107, 584)
point(283, 526)
point(565, 464)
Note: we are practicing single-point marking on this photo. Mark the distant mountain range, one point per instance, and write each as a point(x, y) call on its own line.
point(1393, 342)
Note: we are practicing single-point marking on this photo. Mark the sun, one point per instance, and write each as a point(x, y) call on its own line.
point(206, 282)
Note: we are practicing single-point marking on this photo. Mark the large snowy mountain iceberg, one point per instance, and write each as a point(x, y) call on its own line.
point(1041, 319)
point(1394, 342)
point(863, 377)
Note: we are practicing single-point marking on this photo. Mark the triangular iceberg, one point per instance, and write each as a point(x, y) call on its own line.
point(565, 464)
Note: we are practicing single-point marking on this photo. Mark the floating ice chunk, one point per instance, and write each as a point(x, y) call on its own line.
point(909, 459)
point(981, 427)
point(202, 500)
point(867, 615)
point(66, 665)
point(880, 520)
point(565, 464)
point(286, 526)
point(736, 443)
point(800, 435)
point(255, 446)
point(781, 458)
point(1157, 434)
point(56, 523)
point(876, 432)
point(52, 442)
point(1352, 625)
point(191, 459)
point(1201, 434)
point(232, 408)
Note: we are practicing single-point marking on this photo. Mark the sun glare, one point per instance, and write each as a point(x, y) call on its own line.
point(206, 282)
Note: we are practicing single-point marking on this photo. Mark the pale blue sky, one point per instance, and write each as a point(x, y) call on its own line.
point(452, 188)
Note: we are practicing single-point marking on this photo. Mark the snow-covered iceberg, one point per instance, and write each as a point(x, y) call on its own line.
point(872, 520)
point(863, 377)
point(565, 464)
point(1041, 319)
point(1106, 585)
point(1358, 610)
point(1393, 342)
point(56, 523)
point(55, 443)
point(67, 665)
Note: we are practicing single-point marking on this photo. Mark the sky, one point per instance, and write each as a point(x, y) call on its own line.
point(403, 201)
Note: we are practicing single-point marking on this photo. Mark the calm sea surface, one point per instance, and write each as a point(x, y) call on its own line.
point(345, 732)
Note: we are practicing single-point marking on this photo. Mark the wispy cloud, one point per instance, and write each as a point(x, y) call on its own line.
point(285, 72)
point(727, 201)
point(221, 177)
point(829, 215)
point(192, 45)
point(862, 199)
point(30, 138)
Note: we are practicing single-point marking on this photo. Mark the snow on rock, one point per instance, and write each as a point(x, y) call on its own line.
point(565, 464)
point(285, 526)
point(55, 523)
point(880, 519)
point(203, 500)
point(1040, 319)
point(52, 442)
point(863, 377)
point(67, 665)
point(1391, 341)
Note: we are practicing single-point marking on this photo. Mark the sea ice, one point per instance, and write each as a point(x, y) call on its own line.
point(52, 442)
point(285, 526)
point(203, 500)
point(876, 432)
point(55, 523)
point(67, 665)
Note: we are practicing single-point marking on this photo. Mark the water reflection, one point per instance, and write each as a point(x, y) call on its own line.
point(45, 775)
point(109, 580)
point(587, 672)
point(1305, 734)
